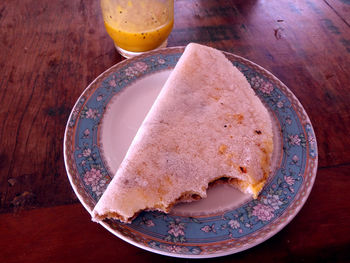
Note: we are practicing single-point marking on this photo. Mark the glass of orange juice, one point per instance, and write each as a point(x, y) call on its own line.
point(137, 26)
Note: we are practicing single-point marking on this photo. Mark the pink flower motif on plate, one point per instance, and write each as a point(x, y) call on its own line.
point(272, 201)
point(174, 249)
point(91, 113)
point(92, 177)
point(311, 139)
point(136, 69)
point(289, 180)
point(130, 72)
point(149, 223)
point(288, 120)
point(263, 212)
point(266, 88)
point(294, 139)
point(140, 66)
point(86, 133)
point(161, 61)
point(176, 229)
point(75, 113)
point(256, 82)
point(112, 83)
point(280, 104)
point(208, 228)
point(87, 152)
point(100, 187)
point(99, 98)
point(295, 159)
point(234, 224)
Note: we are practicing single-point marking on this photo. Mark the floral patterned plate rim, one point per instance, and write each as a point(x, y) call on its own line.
point(208, 235)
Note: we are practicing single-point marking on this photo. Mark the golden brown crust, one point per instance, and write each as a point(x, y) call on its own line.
point(188, 196)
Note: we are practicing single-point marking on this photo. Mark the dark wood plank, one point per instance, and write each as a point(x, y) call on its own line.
point(342, 8)
point(49, 53)
point(66, 233)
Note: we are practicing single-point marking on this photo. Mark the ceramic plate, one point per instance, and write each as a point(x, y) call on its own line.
point(106, 117)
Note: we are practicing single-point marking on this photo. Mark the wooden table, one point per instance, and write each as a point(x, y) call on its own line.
point(50, 50)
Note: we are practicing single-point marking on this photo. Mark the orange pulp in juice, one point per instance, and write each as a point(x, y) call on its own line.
point(139, 25)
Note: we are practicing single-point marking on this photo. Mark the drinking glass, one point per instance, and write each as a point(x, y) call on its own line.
point(137, 26)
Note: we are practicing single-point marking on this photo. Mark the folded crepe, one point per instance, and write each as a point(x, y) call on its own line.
point(206, 124)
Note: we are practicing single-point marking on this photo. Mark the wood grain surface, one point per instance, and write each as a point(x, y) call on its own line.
point(50, 50)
